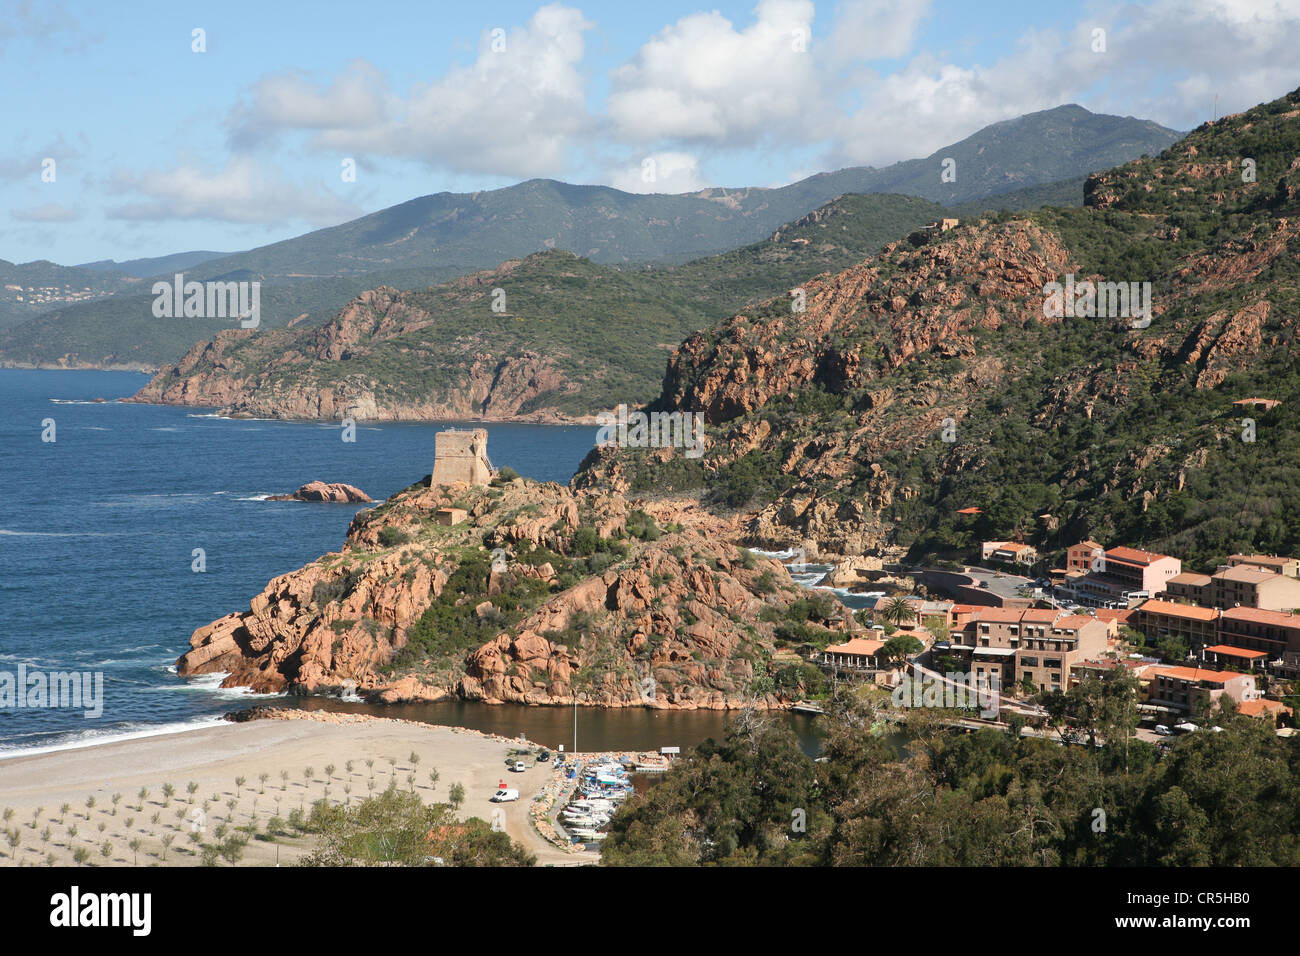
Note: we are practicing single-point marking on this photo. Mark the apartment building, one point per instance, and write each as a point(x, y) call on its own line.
point(1247, 585)
point(1189, 688)
point(1114, 575)
point(1273, 632)
point(1267, 562)
point(1041, 643)
point(1048, 652)
point(1156, 619)
point(1189, 588)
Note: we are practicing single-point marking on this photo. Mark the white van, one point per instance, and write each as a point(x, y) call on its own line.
point(505, 795)
point(1162, 730)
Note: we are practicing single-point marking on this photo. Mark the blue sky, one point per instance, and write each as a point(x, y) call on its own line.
point(159, 148)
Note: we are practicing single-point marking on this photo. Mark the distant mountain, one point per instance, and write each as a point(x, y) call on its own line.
point(576, 336)
point(158, 265)
point(468, 231)
point(435, 238)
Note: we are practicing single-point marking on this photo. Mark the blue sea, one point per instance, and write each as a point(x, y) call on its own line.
point(98, 530)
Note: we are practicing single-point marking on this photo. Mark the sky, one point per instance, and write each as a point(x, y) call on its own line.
point(149, 128)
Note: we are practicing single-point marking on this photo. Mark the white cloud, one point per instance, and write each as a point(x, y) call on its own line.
point(355, 100)
point(666, 172)
point(515, 111)
point(1162, 62)
point(702, 80)
point(244, 191)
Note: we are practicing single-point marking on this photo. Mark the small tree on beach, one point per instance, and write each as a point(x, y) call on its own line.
point(135, 851)
point(456, 794)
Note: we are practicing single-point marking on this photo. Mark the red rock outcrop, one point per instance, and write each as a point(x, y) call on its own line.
point(321, 491)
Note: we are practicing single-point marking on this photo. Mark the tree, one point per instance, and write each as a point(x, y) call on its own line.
point(396, 828)
point(896, 610)
point(456, 794)
point(900, 647)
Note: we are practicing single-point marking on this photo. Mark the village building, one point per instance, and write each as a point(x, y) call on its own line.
point(856, 655)
point(1189, 588)
point(1187, 689)
point(1196, 626)
point(1121, 575)
point(1267, 562)
point(1238, 658)
point(1273, 632)
point(1246, 585)
point(1009, 552)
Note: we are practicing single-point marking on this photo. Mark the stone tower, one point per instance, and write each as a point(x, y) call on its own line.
point(461, 455)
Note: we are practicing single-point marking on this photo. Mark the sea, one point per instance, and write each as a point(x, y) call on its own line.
point(125, 527)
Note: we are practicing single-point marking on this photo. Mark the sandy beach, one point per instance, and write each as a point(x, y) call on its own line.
point(283, 765)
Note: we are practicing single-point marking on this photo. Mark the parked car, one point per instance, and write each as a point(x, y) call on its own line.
point(1163, 731)
point(518, 767)
point(505, 795)
point(544, 756)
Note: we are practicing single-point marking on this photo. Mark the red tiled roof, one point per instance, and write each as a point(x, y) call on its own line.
point(1195, 674)
point(1110, 614)
point(1260, 707)
point(1256, 616)
point(1073, 621)
point(1189, 577)
point(856, 645)
point(1229, 651)
point(1133, 555)
point(969, 511)
point(1046, 615)
point(1171, 609)
point(1245, 573)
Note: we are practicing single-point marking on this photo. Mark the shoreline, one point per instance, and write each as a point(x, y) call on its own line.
point(96, 801)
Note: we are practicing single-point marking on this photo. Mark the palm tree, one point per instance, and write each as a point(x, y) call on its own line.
point(896, 611)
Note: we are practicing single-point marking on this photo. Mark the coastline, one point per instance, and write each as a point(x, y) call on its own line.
point(213, 757)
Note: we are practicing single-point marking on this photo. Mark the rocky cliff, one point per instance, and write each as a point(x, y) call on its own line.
point(936, 376)
point(543, 596)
